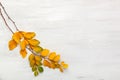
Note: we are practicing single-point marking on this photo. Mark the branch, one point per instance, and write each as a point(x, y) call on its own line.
point(8, 16)
point(5, 21)
point(14, 25)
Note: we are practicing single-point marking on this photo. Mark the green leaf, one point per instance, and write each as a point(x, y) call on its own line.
point(34, 68)
point(40, 69)
point(36, 73)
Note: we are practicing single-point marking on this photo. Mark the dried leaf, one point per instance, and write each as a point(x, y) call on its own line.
point(34, 42)
point(57, 58)
point(12, 44)
point(29, 35)
point(23, 53)
point(52, 55)
point(45, 52)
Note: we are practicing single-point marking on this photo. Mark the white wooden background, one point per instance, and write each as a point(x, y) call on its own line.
point(85, 32)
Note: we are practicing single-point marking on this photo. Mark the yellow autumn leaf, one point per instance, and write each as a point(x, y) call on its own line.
point(46, 63)
point(37, 49)
point(29, 35)
point(34, 42)
point(23, 53)
point(32, 63)
point(52, 65)
point(22, 33)
point(45, 52)
point(17, 37)
point(38, 58)
point(23, 44)
point(38, 63)
point(52, 55)
point(12, 44)
point(57, 58)
point(64, 65)
point(31, 57)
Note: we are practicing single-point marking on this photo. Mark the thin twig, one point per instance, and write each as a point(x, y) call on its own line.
point(14, 26)
point(5, 21)
point(8, 16)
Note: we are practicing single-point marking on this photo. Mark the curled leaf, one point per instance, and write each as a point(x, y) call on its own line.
point(23, 53)
point(34, 42)
point(29, 35)
point(12, 44)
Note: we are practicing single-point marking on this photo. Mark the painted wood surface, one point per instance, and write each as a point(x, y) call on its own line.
point(85, 32)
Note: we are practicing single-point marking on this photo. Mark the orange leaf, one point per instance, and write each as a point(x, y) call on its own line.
point(46, 63)
point(23, 53)
point(38, 63)
point(23, 44)
point(17, 36)
point(64, 65)
point(31, 57)
point(29, 35)
point(45, 52)
point(12, 44)
point(52, 65)
point(38, 58)
point(32, 63)
point(57, 58)
point(52, 55)
point(34, 42)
